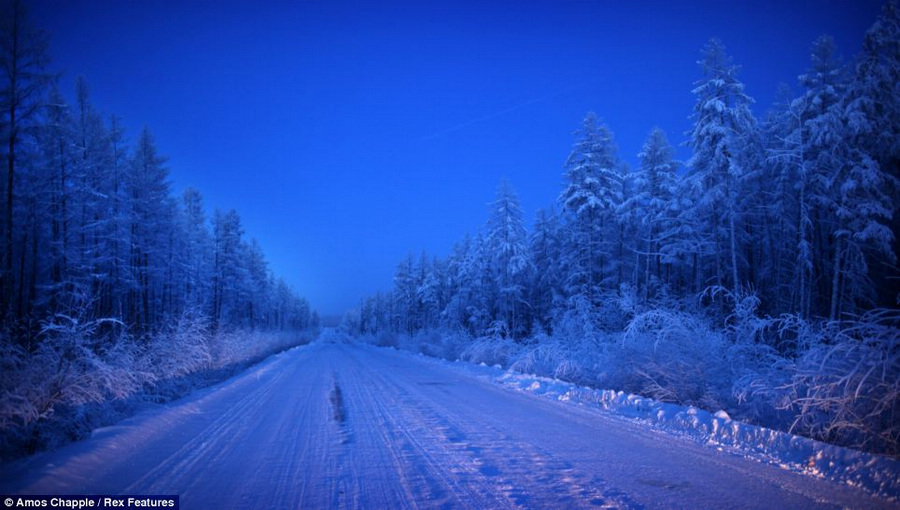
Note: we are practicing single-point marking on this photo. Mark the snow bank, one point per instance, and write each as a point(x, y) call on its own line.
point(874, 473)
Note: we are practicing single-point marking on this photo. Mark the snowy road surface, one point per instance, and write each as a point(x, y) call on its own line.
point(341, 426)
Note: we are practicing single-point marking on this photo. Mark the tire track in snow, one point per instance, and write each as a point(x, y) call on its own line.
point(396, 437)
point(519, 472)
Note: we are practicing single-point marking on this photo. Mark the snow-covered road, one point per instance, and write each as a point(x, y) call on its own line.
point(342, 426)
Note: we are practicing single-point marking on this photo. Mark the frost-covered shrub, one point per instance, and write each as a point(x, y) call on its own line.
point(430, 343)
point(87, 373)
point(842, 386)
point(846, 388)
point(15, 406)
point(225, 347)
point(579, 323)
point(67, 369)
point(550, 359)
point(180, 349)
point(386, 339)
point(407, 343)
point(444, 344)
point(75, 369)
point(491, 351)
point(763, 370)
point(675, 357)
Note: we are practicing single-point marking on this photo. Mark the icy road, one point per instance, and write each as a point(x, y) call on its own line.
point(342, 426)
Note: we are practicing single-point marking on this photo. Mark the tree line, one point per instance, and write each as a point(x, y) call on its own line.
point(113, 289)
point(91, 226)
point(757, 277)
point(796, 208)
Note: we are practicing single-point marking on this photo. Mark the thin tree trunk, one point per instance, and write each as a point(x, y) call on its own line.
point(835, 280)
point(736, 283)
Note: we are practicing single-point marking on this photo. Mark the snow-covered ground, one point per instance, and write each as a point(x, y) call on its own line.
point(346, 426)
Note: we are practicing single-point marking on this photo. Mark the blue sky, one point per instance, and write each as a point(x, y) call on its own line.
point(347, 134)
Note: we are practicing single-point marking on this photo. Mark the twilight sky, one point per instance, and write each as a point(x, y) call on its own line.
point(347, 134)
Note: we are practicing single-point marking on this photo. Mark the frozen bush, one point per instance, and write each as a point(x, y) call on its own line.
point(842, 387)
point(430, 343)
point(386, 339)
point(68, 369)
point(763, 371)
point(82, 375)
point(491, 351)
point(674, 357)
point(180, 349)
point(549, 359)
point(444, 344)
point(16, 377)
point(580, 323)
point(846, 387)
point(76, 370)
point(757, 369)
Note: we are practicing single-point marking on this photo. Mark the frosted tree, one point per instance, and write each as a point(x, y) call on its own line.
point(95, 195)
point(722, 119)
point(405, 295)
point(589, 200)
point(861, 203)
point(198, 243)
point(230, 278)
point(777, 202)
point(428, 292)
point(461, 285)
point(626, 256)
point(56, 143)
point(119, 245)
point(546, 252)
point(481, 286)
point(23, 59)
point(258, 283)
point(874, 105)
point(150, 220)
point(808, 164)
point(652, 202)
point(876, 89)
point(508, 247)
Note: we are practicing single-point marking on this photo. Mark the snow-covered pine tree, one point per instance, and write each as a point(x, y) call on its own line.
point(652, 204)
point(229, 270)
point(57, 142)
point(860, 199)
point(545, 287)
point(589, 201)
point(404, 298)
point(198, 248)
point(722, 121)
point(810, 152)
point(258, 286)
point(95, 195)
point(427, 293)
point(23, 86)
point(150, 220)
point(875, 93)
point(507, 244)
